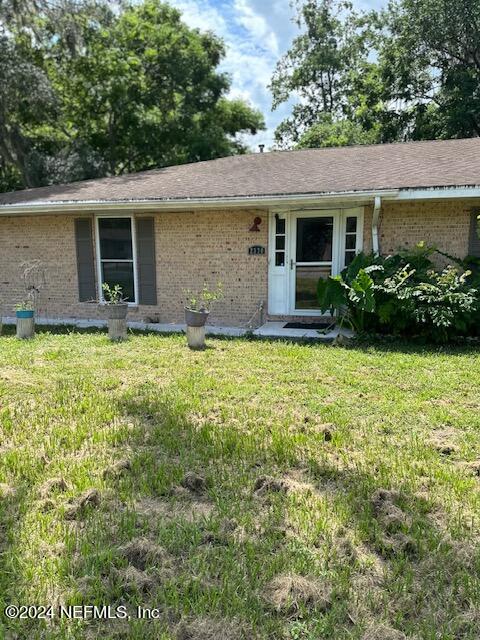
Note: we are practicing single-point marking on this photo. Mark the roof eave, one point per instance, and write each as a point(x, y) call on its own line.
point(47, 207)
point(266, 201)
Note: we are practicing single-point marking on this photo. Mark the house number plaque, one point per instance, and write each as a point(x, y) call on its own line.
point(256, 250)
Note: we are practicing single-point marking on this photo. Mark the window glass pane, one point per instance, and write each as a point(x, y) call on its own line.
point(279, 259)
point(351, 224)
point(280, 225)
point(351, 242)
point(306, 286)
point(314, 239)
point(115, 238)
point(120, 273)
point(349, 256)
point(280, 242)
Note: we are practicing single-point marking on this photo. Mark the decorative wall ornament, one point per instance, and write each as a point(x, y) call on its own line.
point(256, 222)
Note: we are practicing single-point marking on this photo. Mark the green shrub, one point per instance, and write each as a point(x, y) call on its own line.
point(403, 294)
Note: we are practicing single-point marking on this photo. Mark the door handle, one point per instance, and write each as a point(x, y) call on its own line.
point(291, 263)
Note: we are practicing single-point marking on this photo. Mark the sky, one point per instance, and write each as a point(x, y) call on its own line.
point(256, 34)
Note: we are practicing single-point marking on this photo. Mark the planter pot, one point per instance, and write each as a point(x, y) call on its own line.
point(25, 313)
point(116, 311)
point(195, 321)
point(117, 323)
point(196, 337)
point(195, 318)
point(25, 324)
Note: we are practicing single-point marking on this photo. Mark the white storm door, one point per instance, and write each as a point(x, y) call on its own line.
point(314, 254)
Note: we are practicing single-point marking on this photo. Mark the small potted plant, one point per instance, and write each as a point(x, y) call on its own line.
point(197, 310)
point(25, 313)
point(116, 307)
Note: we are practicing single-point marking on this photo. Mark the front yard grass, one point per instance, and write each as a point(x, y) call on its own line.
point(252, 490)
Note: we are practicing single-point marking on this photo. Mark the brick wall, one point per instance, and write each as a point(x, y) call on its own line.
point(191, 247)
point(444, 224)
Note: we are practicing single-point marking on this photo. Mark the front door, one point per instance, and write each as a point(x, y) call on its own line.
point(314, 255)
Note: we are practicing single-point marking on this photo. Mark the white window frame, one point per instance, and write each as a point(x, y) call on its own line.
point(358, 213)
point(99, 260)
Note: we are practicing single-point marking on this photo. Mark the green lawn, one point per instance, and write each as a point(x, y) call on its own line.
point(331, 492)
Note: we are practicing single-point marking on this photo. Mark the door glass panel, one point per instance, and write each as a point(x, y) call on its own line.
point(306, 285)
point(314, 239)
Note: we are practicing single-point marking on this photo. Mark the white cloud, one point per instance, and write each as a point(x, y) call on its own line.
point(257, 26)
point(202, 14)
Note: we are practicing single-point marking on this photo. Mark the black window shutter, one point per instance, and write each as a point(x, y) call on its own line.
point(85, 260)
point(474, 238)
point(147, 268)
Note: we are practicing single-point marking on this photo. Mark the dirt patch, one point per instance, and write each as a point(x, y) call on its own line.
point(444, 441)
point(312, 426)
point(388, 514)
point(7, 492)
point(393, 521)
point(399, 543)
point(382, 632)
point(45, 505)
point(326, 430)
point(117, 469)
point(53, 550)
point(143, 552)
point(194, 482)
point(288, 594)
point(225, 533)
point(157, 509)
point(76, 506)
point(53, 485)
point(209, 629)
point(133, 580)
point(180, 492)
point(269, 484)
point(297, 481)
point(474, 468)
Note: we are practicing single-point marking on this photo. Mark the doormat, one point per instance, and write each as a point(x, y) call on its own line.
point(317, 326)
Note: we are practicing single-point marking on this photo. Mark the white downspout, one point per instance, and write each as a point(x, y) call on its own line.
point(376, 214)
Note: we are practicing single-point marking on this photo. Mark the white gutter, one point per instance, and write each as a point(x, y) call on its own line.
point(438, 193)
point(46, 207)
point(376, 214)
point(287, 200)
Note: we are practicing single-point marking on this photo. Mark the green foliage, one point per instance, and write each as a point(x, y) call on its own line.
point(443, 306)
point(404, 295)
point(410, 72)
point(336, 133)
point(352, 297)
point(91, 91)
point(319, 68)
point(203, 300)
point(24, 305)
point(113, 295)
point(431, 62)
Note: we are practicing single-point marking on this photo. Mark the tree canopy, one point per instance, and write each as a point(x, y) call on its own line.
point(92, 89)
point(409, 72)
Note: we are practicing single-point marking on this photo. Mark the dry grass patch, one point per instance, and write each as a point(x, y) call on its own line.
point(211, 629)
point(143, 552)
point(290, 594)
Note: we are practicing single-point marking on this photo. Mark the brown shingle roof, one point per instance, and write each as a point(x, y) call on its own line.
point(359, 168)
